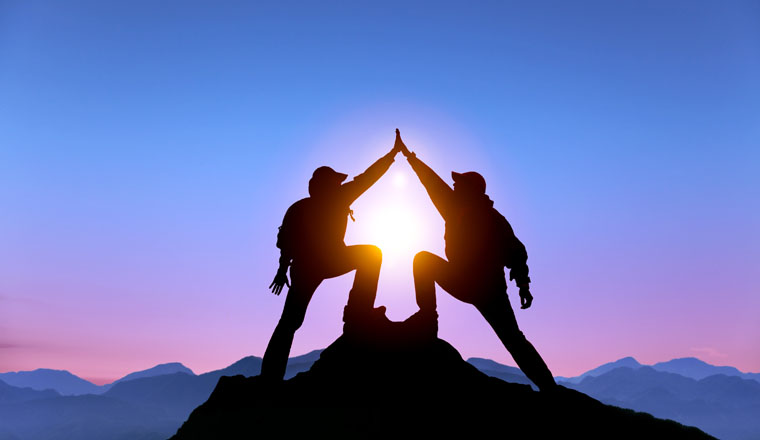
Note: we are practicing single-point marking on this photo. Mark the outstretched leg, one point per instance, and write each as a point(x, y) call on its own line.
point(276, 355)
point(499, 314)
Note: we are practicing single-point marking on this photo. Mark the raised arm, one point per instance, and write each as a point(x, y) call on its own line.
point(441, 194)
point(353, 189)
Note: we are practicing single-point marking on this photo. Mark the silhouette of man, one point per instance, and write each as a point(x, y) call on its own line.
point(311, 244)
point(479, 244)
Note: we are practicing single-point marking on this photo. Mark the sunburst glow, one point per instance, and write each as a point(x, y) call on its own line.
point(396, 217)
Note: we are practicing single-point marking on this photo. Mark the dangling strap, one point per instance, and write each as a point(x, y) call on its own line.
point(351, 214)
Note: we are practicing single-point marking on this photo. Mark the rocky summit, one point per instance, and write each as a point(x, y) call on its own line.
point(389, 380)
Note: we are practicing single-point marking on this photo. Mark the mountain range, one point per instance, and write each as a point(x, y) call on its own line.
point(153, 403)
point(67, 384)
point(688, 367)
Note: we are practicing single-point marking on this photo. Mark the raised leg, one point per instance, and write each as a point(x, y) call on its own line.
point(367, 260)
point(428, 268)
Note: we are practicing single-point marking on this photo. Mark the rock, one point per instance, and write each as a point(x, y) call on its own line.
point(395, 382)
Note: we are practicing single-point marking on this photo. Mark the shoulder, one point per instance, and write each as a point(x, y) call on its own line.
point(299, 206)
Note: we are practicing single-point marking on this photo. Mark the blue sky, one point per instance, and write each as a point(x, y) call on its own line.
point(148, 151)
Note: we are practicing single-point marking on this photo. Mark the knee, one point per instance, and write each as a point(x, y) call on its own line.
point(373, 255)
point(422, 260)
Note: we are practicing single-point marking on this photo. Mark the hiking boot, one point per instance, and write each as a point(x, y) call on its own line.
point(364, 322)
point(424, 323)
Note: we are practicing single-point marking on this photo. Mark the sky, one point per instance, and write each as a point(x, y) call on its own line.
point(148, 151)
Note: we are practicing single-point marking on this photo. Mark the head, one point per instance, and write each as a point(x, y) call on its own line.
point(469, 183)
point(325, 181)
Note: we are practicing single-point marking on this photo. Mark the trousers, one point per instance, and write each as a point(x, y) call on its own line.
point(486, 290)
point(306, 275)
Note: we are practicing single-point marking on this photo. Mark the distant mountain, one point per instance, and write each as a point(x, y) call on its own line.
point(10, 394)
point(68, 384)
point(300, 364)
point(158, 370)
point(503, 372)
point(627, 362)
point(697, 369)
point(248, 366)
point(147, 408)
point(41, 379)
point(144, 408)
point(174, 394)
point(688, 367)
point(724, 406)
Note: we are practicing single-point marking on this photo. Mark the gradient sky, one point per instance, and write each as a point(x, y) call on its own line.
point(148, 151)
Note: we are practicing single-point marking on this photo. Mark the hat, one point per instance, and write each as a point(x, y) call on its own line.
point(470, 179)
point(323, 179)
point(327, 174)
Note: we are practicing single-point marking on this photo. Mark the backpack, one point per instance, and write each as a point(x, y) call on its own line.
point(293, 229)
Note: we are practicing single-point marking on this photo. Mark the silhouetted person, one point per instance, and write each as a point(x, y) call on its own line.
point(479, 244)
point(311, 244)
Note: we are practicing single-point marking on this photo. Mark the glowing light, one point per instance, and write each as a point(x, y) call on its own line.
point(399, 180)
point(399, 218)
point(396, 232)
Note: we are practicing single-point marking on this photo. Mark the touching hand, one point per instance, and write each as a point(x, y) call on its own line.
point(280, 280)
point(399, 145)
point(526, 299)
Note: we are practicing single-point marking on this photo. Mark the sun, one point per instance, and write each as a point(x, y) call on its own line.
point(394, 231)
point(394, 218)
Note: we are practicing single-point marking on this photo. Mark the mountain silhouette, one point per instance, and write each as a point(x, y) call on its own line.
point(503, 372)
point(158, 370)
point(9, 394)
point(145, 408)
point(61, 381)
point(698, 369)
point(401, 383)
point(68, 384)
point(628, 362)
point(724, 406)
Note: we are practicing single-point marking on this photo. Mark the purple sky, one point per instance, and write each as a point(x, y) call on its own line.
point(148, 153)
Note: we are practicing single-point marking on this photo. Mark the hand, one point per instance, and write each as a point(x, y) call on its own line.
point(399, 145)
point(280, 280)
point(526, 299)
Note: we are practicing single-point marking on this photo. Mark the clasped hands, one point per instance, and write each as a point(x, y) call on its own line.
point(399, 146)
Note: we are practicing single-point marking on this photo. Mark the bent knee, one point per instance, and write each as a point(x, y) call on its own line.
point(373, 255)
point(422, 259)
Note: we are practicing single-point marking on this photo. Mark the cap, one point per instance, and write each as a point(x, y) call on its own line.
point(471, 179)
point(328, 174)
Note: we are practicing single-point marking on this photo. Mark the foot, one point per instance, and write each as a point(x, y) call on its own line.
point(361, 321)
point(425, 322)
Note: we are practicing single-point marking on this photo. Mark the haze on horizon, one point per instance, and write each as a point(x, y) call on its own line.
point(149, 151)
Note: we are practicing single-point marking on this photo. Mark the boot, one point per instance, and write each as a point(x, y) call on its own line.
point(363, 323)
point(424, 323)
